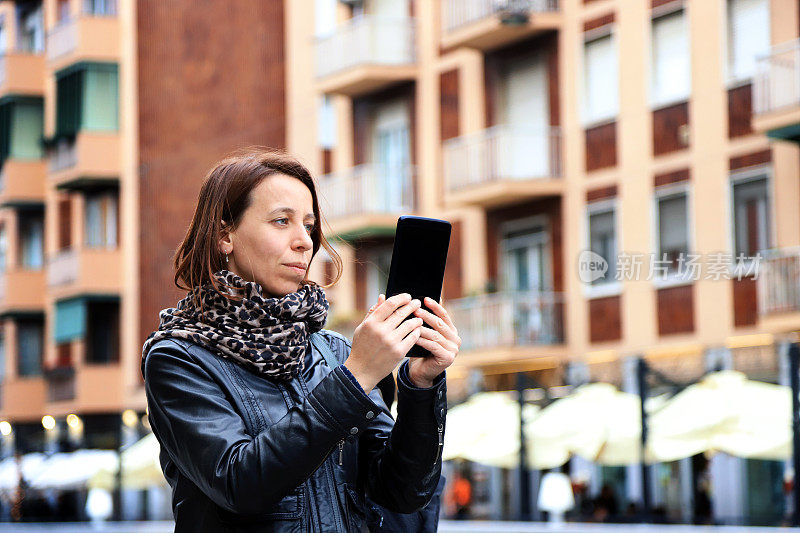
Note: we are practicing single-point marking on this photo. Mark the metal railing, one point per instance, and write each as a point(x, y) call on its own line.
point(777, 81)
point(779, 281)
point(458, 13)
point(62, 39)
point(60, 384)
point(367, 189)
point(62, 268)
point(63, 156)
point(502, 153)
point(366, 40)
point(505, 319)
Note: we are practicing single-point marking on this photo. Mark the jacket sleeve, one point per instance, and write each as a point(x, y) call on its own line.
point(206, 437)
point(400, 461)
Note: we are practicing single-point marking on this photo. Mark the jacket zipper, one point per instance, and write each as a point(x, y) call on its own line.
point(341, 451)
point(440, 429)
point(329, 473)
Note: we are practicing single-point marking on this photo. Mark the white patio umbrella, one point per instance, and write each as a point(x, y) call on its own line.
point(485, 429)
point(30, 463)
point(596, 421)
point(72, 470)
point(724, 412)
point(141, 468)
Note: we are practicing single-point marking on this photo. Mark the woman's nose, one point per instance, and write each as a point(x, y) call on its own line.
point(304, 240)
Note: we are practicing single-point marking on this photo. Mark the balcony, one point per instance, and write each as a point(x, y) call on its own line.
point(60, 383)
point(91, 158)
point(500, 165)
point(365, 55)
point(779, 282)
point(21, 73)
point(366, 199)
point(86, 38)
point(505, 322)
point(22, 182)
point(489, 24)
point(776, 93)
point(85, 271)
point(22, 290)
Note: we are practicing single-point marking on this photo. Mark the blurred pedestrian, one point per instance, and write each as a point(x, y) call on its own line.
point(258, 430)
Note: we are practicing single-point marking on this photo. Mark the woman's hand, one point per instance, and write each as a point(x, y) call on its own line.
point(441, 339)
point(382, 339)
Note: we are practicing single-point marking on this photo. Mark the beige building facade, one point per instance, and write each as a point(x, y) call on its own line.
point(659, 135)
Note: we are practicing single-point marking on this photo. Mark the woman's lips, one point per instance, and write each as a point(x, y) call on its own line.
point(299, 270)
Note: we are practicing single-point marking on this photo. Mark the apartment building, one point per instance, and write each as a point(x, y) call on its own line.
point(660, 131)
point(112, 113)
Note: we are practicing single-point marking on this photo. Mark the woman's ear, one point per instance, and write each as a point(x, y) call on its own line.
point(225, 243)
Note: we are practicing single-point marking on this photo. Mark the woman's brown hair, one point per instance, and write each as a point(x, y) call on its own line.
point(223, 199)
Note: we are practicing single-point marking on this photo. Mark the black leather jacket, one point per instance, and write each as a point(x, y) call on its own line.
point(243, 453)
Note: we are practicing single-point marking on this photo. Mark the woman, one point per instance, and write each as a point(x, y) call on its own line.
point(257, 431)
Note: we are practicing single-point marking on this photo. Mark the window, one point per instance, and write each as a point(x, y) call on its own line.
point(600, 79)
point(525, 258)
point(327, 122)
point(62, 10)
point(671, 73)
point(3, 36)
point(378, 273)
point(30, 27)
point(324, 18)
point(2, 354)
point(21, 128)
point(31, 240)
point(748, 36)
point(29, 349)
point(100, 7)
point(673, 231)
point(3, 249)
point(102, 332)
point(101, 220)
point(603, 242)
point(87, 97)
point(64, 222)
point(751, 216)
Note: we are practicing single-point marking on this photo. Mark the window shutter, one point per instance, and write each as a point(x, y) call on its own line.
point(70, 320)
point(748, 36)
point(671, 67)
point(600, 79)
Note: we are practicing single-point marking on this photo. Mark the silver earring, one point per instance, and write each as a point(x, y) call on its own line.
point(226, 258)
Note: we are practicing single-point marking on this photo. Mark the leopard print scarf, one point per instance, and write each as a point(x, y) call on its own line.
point(268, 336)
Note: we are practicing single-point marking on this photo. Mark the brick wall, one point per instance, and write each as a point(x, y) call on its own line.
point(205, 88)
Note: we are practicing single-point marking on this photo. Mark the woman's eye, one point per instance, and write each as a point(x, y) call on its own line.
point(310, 227)
point(282, 221)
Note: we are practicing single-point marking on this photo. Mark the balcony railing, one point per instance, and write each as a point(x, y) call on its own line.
point(369, 189)
point(63, 268)
point(63, 156)
point(777, 82)
point(508, 319)
point(60, 384)
point(366, 40)
point(779, 281)
point(62, 39)
point(458, 13)
point(502, 153)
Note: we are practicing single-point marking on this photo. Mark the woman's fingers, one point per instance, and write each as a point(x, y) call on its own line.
point(407, 327)
point(401, 313)
point(434, 347)
point(437, 323)
point(438, 338)
point(440, 311)
point(390, 305)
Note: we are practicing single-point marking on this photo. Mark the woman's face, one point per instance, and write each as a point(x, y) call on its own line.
point(272, 244)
